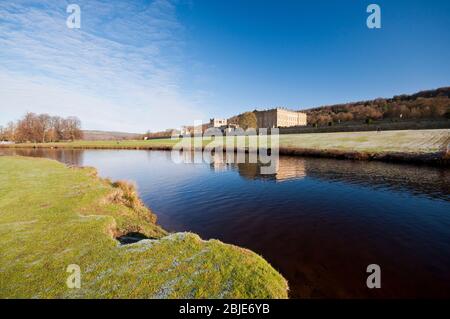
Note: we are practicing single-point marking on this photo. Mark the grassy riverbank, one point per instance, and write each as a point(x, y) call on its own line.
point(426, 146)
point(52, 216)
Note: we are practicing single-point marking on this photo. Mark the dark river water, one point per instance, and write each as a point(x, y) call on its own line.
point(320, 222)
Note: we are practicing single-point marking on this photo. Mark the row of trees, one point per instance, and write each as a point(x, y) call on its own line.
point(416, 106)
point(40, 128)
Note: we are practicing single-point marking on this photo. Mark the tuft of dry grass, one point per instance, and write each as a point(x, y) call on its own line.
point(125, 193)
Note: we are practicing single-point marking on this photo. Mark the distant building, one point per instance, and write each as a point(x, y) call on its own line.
point(230, 127)
point(280, 117)
point(217, 122)
point(186, 130)
point(223, 125)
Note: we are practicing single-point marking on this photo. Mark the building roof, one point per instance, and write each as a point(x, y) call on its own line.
point(278, 108)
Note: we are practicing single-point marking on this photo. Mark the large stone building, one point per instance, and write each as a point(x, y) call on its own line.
point(280, 117)
point(215, 122)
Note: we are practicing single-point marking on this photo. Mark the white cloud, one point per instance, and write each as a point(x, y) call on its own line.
point(120, 71)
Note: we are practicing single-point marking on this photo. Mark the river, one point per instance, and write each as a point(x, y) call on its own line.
point(320, 222)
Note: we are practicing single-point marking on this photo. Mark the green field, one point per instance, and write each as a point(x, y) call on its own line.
point(52, 216)
point(412, 141)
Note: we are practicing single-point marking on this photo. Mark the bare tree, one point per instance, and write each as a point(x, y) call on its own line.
point(45, 128)
point(73, 128)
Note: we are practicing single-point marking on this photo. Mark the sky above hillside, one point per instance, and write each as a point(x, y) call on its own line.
point(150, 65)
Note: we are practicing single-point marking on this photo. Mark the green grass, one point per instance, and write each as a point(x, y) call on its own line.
point(410, 141)
point(52, 216)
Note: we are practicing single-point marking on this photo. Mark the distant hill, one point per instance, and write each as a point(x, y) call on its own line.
point(430, 104)
point(90, 135)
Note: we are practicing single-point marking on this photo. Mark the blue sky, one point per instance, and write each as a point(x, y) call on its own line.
point(139, 65)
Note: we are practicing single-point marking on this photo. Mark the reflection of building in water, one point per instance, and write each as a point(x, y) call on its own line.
point(290, 168)
point(218, 163)
point(285, 168)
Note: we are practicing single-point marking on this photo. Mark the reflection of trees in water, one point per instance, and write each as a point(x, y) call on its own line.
point(431, 181)
point(421, 180)
point(251, 171)
point(69, 157)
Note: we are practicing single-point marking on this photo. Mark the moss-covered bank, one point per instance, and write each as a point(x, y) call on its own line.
point(52, 216)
